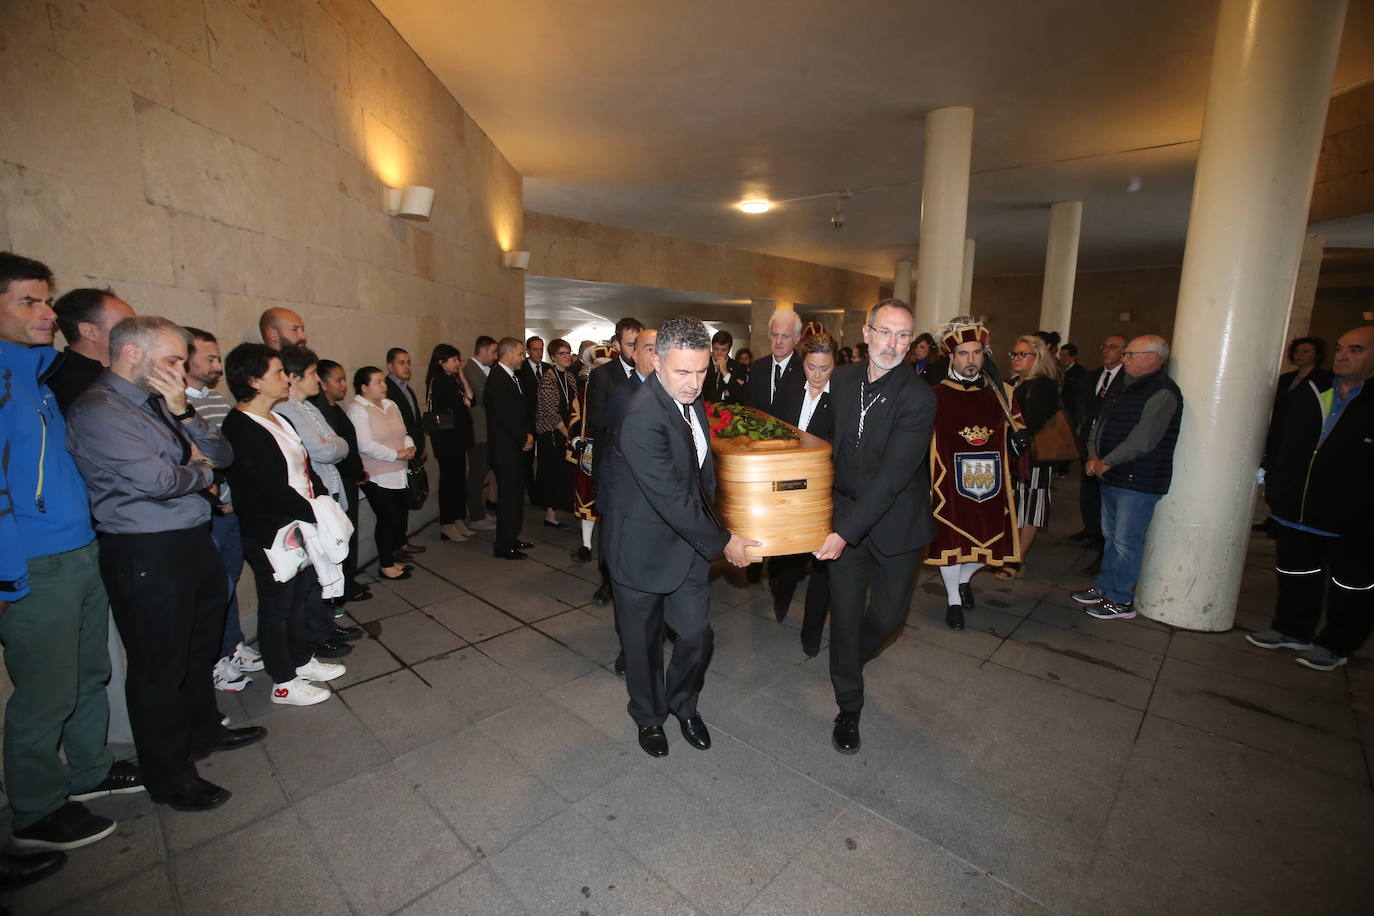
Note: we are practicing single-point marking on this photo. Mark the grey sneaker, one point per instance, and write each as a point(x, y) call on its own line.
point(1320, 658)
point(1273, 639)
point(1089, 596)
point(1110, 610)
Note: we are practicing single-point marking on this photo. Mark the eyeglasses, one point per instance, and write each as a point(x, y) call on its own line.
point(1135, 353)
point(900, 337)
point(1020, 354)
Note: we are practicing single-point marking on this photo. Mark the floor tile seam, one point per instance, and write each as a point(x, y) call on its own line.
point(474, 864)
point(1268, 753)
point(1246, 677)
point(1103, 664)
point(443, 578)
point(1345, 705)
point(441, 695)
point(956, 857)
point(163, 863)
point(1077, 690)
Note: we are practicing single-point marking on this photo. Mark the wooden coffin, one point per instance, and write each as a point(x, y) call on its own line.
point(776, 491)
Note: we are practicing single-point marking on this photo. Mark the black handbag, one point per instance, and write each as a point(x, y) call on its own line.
point(1019, 439)
point(435, 421)
point(417, 484)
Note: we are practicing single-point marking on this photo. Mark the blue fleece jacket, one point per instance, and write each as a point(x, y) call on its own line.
point(44, 509)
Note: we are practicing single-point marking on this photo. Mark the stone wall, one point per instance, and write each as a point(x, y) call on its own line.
point(210, 158)
point(1345, 169)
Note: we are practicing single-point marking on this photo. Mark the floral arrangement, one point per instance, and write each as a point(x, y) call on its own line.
point(730, 420)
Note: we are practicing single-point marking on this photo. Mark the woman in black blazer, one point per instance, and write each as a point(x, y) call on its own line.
point(272, 481)
point(448, 396)
point(809, 410)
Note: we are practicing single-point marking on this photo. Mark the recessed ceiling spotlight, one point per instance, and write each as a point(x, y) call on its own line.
point(755, 205)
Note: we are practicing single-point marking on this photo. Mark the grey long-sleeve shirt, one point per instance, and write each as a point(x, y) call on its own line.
point(1154, 422)
point(137, 471)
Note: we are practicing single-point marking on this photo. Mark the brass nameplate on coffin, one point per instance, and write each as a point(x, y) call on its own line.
point(782, 485)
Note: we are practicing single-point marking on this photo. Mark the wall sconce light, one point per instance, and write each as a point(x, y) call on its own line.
point(413, 202)
point(515, 260)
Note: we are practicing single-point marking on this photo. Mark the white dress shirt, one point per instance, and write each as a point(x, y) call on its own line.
point(809, 405)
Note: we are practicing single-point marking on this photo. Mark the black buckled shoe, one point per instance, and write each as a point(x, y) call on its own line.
point(954, 617)
point(846, 733)
point(695, 731)
point(653, 740)
point(201, 795)
point(332, 649)
point(346, 634)
point(966, 596)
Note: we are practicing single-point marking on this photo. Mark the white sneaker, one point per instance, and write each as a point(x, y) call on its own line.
point(299, 692)
point(247, 658)
point(316, 670)
point(227, 676)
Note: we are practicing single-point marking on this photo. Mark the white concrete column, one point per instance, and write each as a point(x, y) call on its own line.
point(1266, 107)
point(944, 215)
point(966, 287)
point(901, 280)
point(1061, 266)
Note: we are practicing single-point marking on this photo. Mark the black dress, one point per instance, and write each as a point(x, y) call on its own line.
point(444, 395)
point(553, 482)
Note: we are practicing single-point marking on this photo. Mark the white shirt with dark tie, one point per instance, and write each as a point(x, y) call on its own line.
point(698, 435)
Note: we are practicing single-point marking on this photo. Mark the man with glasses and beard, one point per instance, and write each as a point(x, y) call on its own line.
point(882, 505)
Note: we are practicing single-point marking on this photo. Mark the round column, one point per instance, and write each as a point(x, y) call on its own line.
point(901, 280)
point(1061, 265)
point(966, 287)
point(1266, 108)
point(944, 215)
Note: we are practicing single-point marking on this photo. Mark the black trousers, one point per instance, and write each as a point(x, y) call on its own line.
point(640, 618)
point(1090, 504)
point(390, 509)
point(1305, 563)
point(453, 481)
point(477, 478)
point(863, 618)
point(510, 501)
point(281, 615)
point(350, 566)
point(168, 592)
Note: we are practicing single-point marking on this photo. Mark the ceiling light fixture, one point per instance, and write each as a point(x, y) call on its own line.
point(755, 205)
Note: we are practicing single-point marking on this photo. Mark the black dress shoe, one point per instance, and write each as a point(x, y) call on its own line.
point(523, 545)
point(511, 554)
point(346, 634)
point(200, 796)
point(780, 606)
point(331, 649)
point(21, 871)
point(408, 547)
point(954, 617)
point(694, 730)
point(966, 596)
point(602, 596)
point(846, 733)
point(231, 739)
point(582, 555)
point(811, 649)
point(362, 593)
point(405, 574)
point(549, 524)
point(619, 666)
point(653, 740)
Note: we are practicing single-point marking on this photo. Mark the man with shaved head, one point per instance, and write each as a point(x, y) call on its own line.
point(84, 316)
point(1131, 452)
point(282, 328)
point(1320, 487)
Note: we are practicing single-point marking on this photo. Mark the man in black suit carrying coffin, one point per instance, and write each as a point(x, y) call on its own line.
point(510, 436)
point(883, 422)
point(661, 536)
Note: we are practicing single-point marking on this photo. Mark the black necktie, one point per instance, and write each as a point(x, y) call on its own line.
point(777, 380)
point(691, 434)
point(1106, 380)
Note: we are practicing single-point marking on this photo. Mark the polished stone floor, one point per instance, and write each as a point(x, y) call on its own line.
point(478, 759)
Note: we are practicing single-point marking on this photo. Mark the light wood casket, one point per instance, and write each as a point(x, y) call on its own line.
point(776, 491)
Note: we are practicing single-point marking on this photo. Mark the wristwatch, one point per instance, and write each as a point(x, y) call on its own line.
point(190, 412)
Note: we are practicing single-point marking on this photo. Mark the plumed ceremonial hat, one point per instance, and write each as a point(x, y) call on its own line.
point(956, 334)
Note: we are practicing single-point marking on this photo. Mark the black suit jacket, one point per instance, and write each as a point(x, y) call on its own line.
point(822, 418)
point(1092, 404)
point(608, 391)
point(891, 508)
point(508, 420)
point(1075, 377)
point(718, 390)
point(414, 428)
point(756, 389)
point(659, 528)
point(263, 499)
point(529, 384)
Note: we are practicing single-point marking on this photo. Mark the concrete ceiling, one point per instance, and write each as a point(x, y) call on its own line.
point(555, 302)
point(661, 116)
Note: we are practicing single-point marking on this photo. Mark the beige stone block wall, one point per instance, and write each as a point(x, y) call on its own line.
point(578, 250)
point(1345, 169)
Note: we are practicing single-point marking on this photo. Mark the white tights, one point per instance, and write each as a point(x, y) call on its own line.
point(956, 575)
point(587, 526)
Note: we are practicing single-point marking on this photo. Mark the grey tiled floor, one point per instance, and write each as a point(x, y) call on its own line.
point(478, 759)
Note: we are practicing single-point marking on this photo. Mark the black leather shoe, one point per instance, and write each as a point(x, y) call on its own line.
point(405, 574)
point(549, 524)
point(523, 545)
point(619, 667)
point(846, 733)
point(21, 871)
point(346, 634)
point(231, 739)
point(201, 796)
point(362, 593)
point(653, 740)
point(811, 649)
point(694, 730)
point(331, 649)
point(511, 554)
point(954, 617)
point(408, 547)
point(582, 555)
point(780, 607)
point(602, 597)
point(966, 596)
